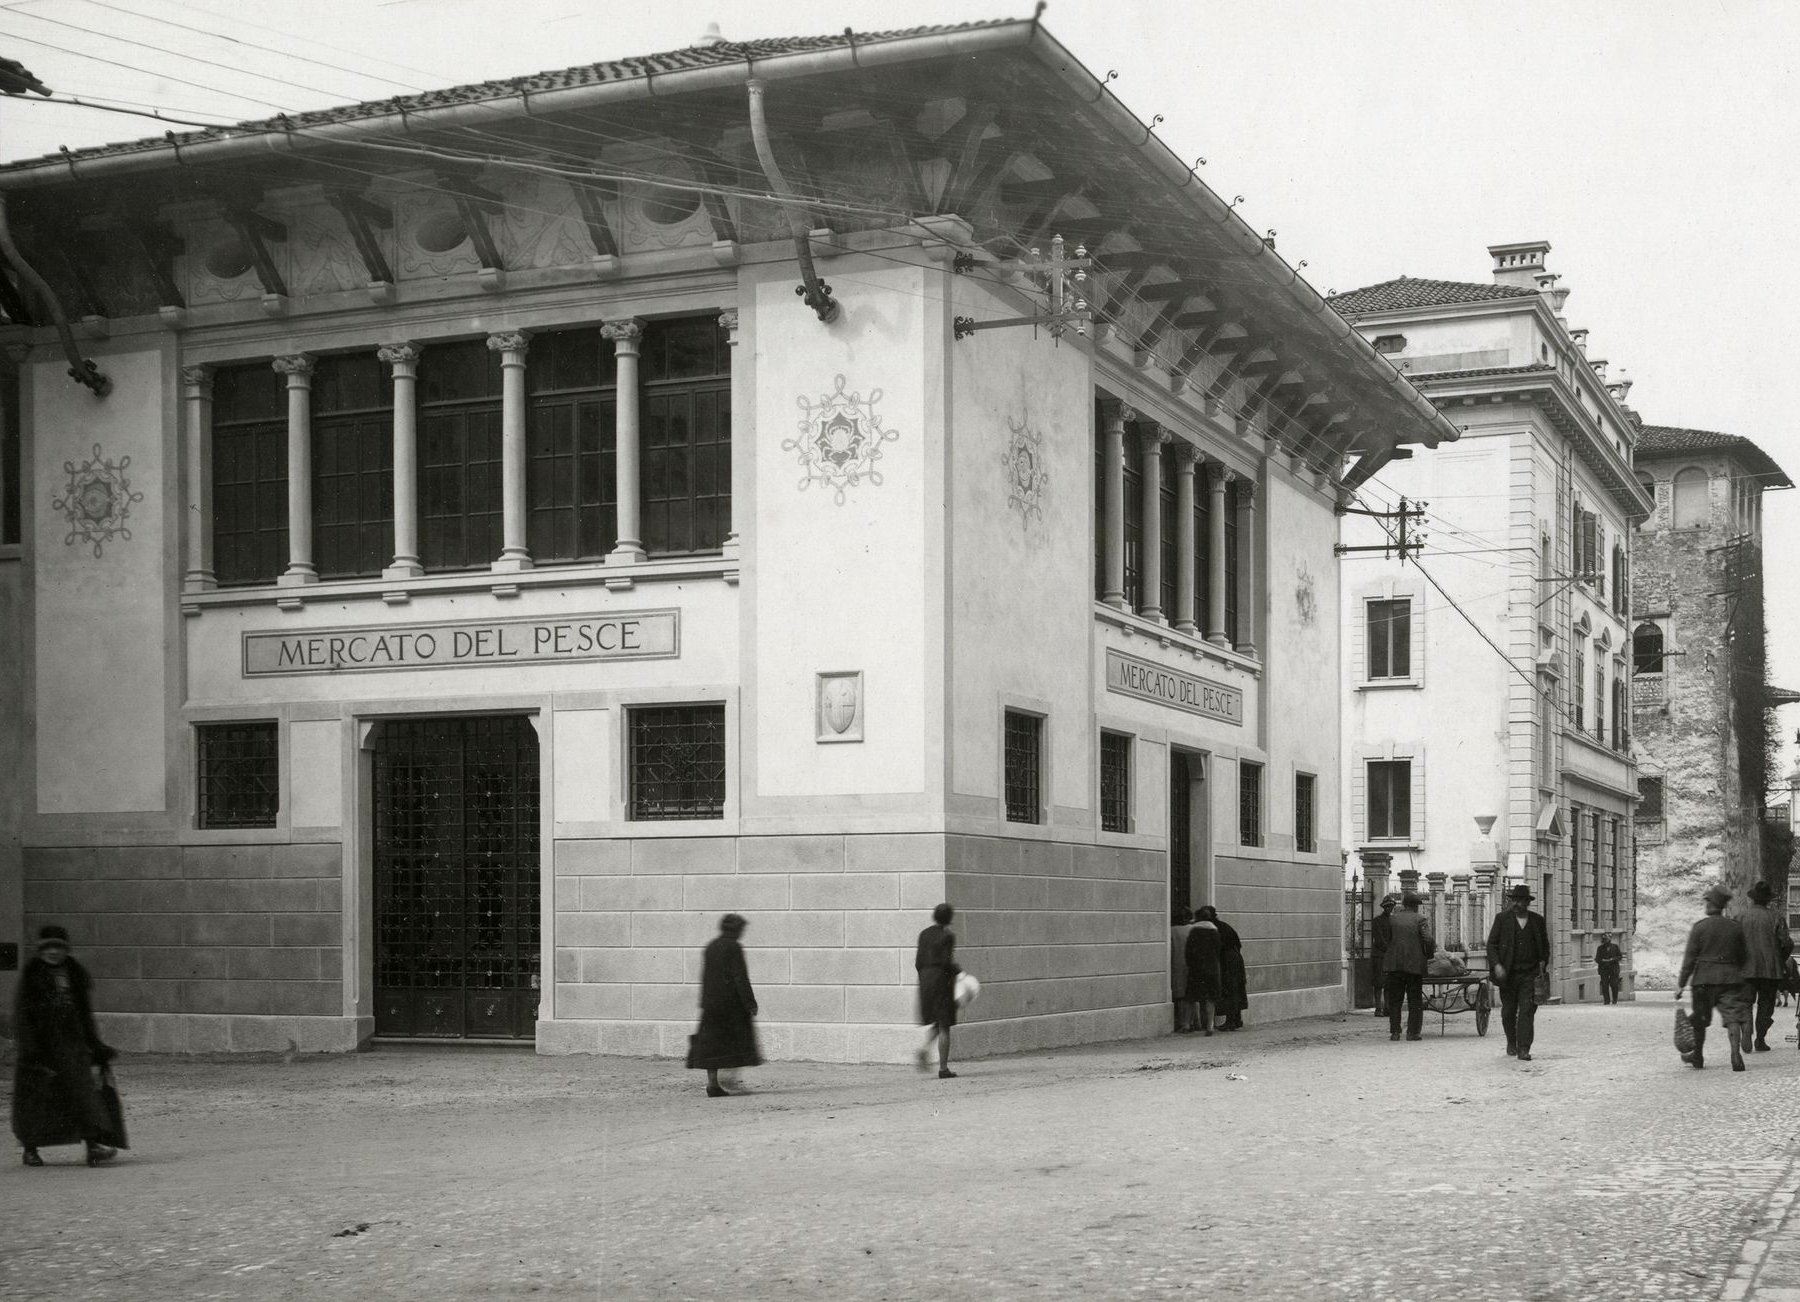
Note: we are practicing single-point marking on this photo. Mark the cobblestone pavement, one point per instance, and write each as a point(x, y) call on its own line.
point(1304, 1160)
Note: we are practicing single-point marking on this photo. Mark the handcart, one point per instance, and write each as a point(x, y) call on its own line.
point(1468, 992)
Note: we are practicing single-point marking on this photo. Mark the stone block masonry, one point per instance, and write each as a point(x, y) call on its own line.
point(203, 948)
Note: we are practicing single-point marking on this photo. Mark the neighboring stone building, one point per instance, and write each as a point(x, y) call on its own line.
point(1700, 695)
point(484, 571)
point(1513, 711)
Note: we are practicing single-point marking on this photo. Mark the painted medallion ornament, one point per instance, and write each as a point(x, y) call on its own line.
point(97, 501)
point(1026, 478)
point(840, 439)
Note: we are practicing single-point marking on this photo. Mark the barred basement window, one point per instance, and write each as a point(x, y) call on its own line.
point(678, 762)
point(1306, 816)
point(1250, 829)
point(1024, 767)
point(240, 773)
point(1115, 782)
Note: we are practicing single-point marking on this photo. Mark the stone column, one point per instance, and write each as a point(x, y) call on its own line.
point(1151, 438)
point(1187, 457)
point(741, 467)
point(1115, 414)
point(298, 367)
point(404, 358)
point(629, 549)
point(197, 391)
point(1248, 602)
point(1217, 478)
point(511, 346)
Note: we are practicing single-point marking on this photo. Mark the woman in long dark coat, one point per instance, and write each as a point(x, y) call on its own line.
point(1204, 985)
point(1234, 994)
point(727, 1035)
point(935, 963)
point(55, 1098)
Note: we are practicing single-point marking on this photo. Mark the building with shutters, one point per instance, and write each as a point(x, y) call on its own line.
point(1492, 746)
point(507, 528)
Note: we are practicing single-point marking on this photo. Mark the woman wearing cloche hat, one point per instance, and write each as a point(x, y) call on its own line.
point(55, 1098)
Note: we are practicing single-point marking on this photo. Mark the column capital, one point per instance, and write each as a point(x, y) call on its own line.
point(1220, 474)
point(1246, 492)
point(1117, 413)
point(1152, 435)
point(510, 341)
point(1187, 456)
point(728, 322)
point(295, 364)
point(198, 380)
point(403, 353)
point(624, 333)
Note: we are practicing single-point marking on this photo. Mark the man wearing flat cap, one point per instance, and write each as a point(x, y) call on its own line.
point(1381, 932)
point(1715, 962)
point(1518, 947)
point(1409, 947)
point(1767, 946)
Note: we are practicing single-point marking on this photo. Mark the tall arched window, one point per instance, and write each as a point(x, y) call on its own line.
point(1647, 649)
point(1619, 579)
point(1691, 507)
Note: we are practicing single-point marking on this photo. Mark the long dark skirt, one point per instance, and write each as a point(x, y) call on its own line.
point(59, 1108)
point(937, 997)
point(725, 1039)
point(1234, 997)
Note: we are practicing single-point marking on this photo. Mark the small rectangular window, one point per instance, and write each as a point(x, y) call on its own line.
point(677, 762)
point(1115, 782)
point(1024, 767)
point(1250, 823)
point(1650, 799)
point(1306, 815)
point(1390, 638)
point(1390, 799)
point(239, 779)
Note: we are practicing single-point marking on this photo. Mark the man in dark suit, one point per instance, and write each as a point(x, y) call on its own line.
point(1714, 962)
point(1606, 961)
point(1381, 930)
point(1518, 947)
point(1409, 946)
point(1767, 946)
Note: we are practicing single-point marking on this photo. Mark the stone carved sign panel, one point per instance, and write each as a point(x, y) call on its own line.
point(1133, 677)
point(626, 635)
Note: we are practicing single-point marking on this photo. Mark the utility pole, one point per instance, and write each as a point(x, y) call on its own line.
point(1400, 541)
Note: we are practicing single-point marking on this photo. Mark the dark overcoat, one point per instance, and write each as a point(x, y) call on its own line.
point(55, 1097)
point(935, 963)
point(1205, 980)
point(1518, 951)
point(727, 1034)
point(1409, 943)
point(1234, 981)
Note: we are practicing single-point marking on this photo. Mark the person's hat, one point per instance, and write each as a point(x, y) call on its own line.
point(1521, 892)
point(1389, 900)
point(1410, 900)
point(1718, 895)
point(52, 935)
point(732, 923)
point(1761, 893)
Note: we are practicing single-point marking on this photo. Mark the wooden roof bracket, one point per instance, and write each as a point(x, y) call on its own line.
point(362, 217)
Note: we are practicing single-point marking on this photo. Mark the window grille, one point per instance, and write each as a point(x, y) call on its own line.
point(686, 435)
point(1115, 782)
point(249, 465)
point(1650, 798)
point(353, 466)
point(1306, 835)
point(1023, 761)
point(678, 762)
point(1390, 638)
point(1390, 799)
point(571, 489)
point(461, 508)
point(1250, 824)
point(239, 773)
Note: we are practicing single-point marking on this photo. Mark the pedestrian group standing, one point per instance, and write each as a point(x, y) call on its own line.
point(727, 1035)
point(1714, 960)
point(1767, 947)
point(1518, 947)
point(1410, 946)
point(56, 1098)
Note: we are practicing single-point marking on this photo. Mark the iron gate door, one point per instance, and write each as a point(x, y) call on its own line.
point(456, 878)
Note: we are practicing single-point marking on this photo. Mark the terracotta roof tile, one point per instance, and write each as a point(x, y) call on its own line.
point(1405, 292)
point(1657, 442)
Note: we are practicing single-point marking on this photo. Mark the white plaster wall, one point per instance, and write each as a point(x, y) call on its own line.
point(1465, 335)
point(842, 586)
point(100, 630)
point(315, 773)
point(582, 765)
point(1022, 591)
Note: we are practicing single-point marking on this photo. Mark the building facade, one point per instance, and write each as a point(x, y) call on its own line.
point(485, 565)
point(1486, 679)
point(1700, 692)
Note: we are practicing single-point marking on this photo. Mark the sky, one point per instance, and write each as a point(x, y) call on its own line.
point(1655, 145)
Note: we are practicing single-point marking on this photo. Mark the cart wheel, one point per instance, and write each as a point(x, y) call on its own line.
point(1481, 1020)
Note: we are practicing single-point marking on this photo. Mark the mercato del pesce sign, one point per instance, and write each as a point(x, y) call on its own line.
point(1140, 678)
point(629, 635)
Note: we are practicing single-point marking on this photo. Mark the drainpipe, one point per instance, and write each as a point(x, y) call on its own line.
point(81, 369)
point(815, 291)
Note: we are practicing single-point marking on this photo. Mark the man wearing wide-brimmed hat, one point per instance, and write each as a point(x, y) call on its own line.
point(1767, 946)
point(1518, 947)
point(1715, 961)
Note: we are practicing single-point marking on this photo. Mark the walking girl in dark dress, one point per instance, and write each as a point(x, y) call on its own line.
point(727, 1035)
point(55, 1098)
point(936, 965)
